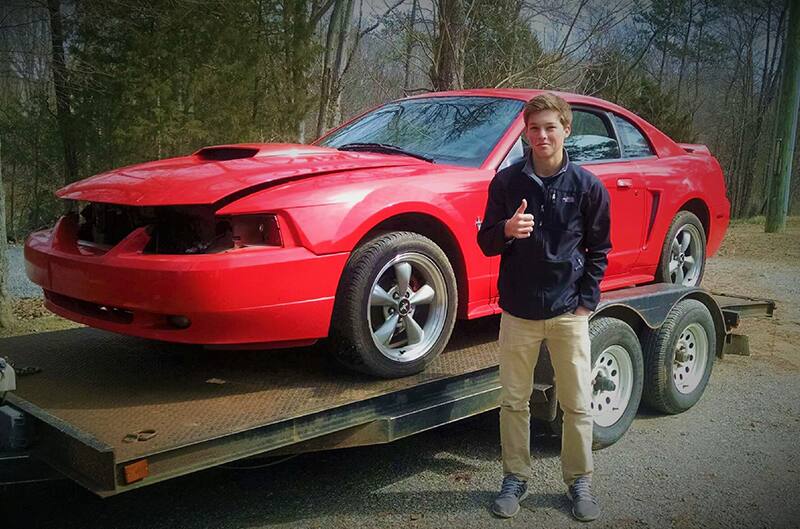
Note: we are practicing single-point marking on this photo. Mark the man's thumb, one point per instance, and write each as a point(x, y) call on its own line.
point(522, 207)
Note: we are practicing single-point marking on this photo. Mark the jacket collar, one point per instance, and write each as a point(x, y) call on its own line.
point(527, 169)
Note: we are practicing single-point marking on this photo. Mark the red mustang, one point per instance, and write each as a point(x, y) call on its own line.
point(368, 235)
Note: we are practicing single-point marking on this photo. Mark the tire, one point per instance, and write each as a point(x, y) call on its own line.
point(615, 344)
point(679, 358)
point(378, 328)
point(683, 253)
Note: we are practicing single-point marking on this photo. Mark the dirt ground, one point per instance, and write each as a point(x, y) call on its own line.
point(763, 265)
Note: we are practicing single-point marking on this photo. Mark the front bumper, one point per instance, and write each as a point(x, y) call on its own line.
point(264, 295)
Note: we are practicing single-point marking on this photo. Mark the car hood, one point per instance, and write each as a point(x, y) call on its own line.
point(214, 173)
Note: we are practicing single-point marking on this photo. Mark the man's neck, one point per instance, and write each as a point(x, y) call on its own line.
point(546, 167)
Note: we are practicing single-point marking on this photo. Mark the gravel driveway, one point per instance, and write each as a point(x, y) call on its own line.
point(731, 461)
point(19, 286)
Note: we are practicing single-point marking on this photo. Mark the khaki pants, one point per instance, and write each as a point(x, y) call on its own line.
point(567, 339)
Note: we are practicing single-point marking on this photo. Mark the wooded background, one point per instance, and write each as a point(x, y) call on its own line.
point(87, 85)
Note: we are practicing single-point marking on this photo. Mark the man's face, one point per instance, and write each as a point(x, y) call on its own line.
point(545, 133)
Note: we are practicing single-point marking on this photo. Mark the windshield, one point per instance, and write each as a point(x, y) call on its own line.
point(453, 130)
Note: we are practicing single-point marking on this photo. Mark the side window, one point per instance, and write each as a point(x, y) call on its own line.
point(634, 143)
point(591, 138)
point(516, 153)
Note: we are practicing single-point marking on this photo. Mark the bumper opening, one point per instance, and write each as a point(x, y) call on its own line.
point(92, 310)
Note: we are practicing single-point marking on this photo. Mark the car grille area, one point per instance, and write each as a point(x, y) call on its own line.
point(172, 229)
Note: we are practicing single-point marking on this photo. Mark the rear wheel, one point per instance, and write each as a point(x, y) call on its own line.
point(683, 254)
point(679, 358)
point(396, 305)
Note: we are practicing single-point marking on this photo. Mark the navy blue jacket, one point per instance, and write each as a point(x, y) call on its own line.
point(561, 264)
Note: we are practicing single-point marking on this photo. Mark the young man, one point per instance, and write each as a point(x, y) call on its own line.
point(549, 220)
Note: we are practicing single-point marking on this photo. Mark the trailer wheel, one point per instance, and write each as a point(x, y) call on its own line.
point(683, 253)
point(679, 358)
point(395, 307)
point(617, 377)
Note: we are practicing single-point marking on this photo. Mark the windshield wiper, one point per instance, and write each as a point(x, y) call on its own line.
point(382, 147)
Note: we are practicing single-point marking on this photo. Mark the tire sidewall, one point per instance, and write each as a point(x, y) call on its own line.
point(681, 219)
point(360, 334)
point(695, 314)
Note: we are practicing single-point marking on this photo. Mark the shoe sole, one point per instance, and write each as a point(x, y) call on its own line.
point(501, 515)
point(575, 515)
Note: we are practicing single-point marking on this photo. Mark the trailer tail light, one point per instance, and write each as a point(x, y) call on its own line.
point(136, 471)
point(255, 230)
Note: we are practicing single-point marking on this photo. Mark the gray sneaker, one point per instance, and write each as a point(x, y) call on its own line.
point(513, 491)
point(584, 505)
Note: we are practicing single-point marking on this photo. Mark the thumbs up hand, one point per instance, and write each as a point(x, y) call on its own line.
point(520, 225)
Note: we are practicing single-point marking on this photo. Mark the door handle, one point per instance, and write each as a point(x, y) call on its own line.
point(624, 183)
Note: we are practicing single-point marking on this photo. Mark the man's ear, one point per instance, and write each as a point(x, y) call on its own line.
point(567, 131)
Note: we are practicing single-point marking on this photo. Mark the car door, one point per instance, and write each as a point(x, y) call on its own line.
point(595, 144)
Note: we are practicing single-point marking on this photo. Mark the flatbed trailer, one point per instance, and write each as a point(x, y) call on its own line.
point(116, 413)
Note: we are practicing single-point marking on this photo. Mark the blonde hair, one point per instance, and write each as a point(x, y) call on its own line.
point(549, 101)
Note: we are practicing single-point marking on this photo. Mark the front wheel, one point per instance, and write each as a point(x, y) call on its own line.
point(617, 377)
point(396, 305)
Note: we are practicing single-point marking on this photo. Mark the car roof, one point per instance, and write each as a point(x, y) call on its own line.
point(523, 94)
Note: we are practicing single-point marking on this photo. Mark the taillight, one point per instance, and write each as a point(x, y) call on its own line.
point(255, 230)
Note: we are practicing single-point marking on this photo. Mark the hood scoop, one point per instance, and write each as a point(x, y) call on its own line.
point(219, 154)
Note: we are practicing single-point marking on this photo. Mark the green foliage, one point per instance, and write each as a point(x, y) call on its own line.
point(660, 108)
point(500, 46)
point(155, 79)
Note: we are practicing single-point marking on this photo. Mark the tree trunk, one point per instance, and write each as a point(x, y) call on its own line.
point(337, 68)
point(409, 47)
point(61, 86)
point(5, 300)
point(685, 49)
point(325, 83)
point(447, 71)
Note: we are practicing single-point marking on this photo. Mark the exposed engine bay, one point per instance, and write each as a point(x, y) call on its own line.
point(173, 229)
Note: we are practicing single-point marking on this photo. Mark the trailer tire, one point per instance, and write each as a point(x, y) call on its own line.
point(679, 357)
point(395, 306)
point(614, 343)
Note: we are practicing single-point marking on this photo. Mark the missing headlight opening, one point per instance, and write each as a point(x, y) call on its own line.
point(172, 229)
point(256, 230)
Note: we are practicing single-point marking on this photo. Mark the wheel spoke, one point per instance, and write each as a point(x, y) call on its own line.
point(423, 296)
point(403, 273)
point(672, 266)
point(679, 275)
point(414, 331)
point(685, 241)
point(689, 260)
point(386, 331)
point(380, 297)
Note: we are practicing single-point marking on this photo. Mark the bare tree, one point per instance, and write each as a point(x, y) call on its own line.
point(62, 92)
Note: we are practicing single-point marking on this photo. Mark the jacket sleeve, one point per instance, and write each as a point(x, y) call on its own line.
point(491, 236)
point(597, 243)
